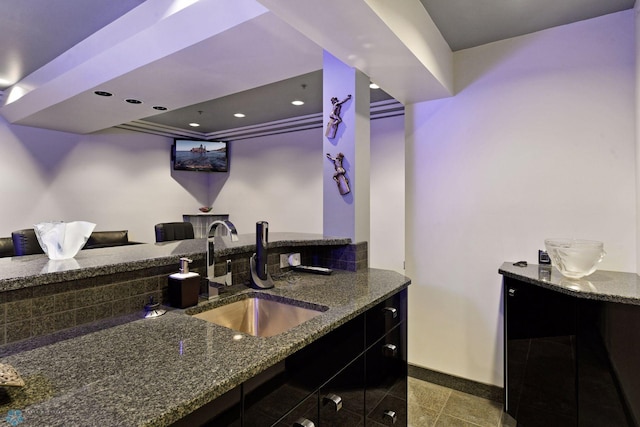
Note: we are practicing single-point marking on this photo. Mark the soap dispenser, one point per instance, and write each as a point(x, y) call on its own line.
point(184, 286)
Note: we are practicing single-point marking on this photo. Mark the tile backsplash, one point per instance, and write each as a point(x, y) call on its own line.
point(41, 310)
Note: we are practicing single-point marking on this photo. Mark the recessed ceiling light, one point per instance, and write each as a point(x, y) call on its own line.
point(194, 125)
point(160, 108)
point(102, 93)
point(374, 86)
point(297, 102)
point(133, 101)
point(239, 115)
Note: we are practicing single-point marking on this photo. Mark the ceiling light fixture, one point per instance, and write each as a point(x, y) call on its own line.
point(102, 93)
point(133, 101)
point(160, 108)
point(239, 115)
point(298, 102)
point(373, 86)
point(196, 124)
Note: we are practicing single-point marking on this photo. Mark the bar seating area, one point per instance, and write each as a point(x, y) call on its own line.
point(169, 231)
point(24, 242)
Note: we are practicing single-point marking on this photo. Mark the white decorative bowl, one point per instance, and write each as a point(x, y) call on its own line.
point(575, 258)
point(63, 240)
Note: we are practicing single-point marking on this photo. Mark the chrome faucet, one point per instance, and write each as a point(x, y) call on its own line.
point(212, 279)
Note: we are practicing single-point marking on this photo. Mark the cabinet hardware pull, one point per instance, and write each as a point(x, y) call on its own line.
point(389, 350)
point(392, 310)
point(333, 398)
point(512, 292)
point(390, 415)
point(303, 422)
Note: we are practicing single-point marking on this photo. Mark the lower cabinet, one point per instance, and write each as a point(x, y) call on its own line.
point(386, 383)
point(540, 333)
point(226, 410)
point(354, 376)
point(341, 399)
point(562, 359)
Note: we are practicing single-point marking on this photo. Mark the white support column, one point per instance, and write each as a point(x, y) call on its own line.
point(347, 215)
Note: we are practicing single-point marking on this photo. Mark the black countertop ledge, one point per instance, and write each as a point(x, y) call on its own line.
point(602, 285)
point(35, 270)
point(132, 371)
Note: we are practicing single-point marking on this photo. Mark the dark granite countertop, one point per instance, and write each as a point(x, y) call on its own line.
point(613, 286)
point(35, 270)
point(151, 372)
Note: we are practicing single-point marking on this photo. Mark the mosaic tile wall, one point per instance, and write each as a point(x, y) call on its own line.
point(40, 310)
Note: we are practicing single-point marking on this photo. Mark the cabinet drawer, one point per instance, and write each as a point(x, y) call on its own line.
point(226, 410)
point(385, 316)
point(322, 359)
point(303, 415)
point(342, 398)
point(386, 383)
point(269, 395)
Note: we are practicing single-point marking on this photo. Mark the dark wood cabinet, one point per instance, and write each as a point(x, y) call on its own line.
point(386, 384)
point(385, 316)
point(356, 375)
point(226, 410)
point(558, 368)
point(341, 399)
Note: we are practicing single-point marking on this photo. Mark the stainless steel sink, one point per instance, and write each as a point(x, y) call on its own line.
point(261, 317)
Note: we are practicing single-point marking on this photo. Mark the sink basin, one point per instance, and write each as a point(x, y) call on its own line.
point(261, 317)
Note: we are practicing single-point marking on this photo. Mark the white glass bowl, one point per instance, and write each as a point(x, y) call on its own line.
point(575, 258)
point(63, 240)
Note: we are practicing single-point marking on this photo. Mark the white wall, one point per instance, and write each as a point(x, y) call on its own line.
point(386, 248)
point(277, 179)
point(123, 180)
point(637, 117)
point(117, 179)
point(537, 142)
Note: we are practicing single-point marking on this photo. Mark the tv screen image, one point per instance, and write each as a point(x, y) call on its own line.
point(202, 156)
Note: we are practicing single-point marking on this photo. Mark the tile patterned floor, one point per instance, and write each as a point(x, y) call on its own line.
point(436, 406)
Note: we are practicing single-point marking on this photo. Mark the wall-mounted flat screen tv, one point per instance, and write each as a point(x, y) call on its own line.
point(200, 155)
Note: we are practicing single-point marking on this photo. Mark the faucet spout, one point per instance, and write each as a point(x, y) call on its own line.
point(225, 279)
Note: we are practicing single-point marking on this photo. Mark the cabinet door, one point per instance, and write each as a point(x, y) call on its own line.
point(603, 398)
point(540, 354)
point(315, 364)
point(225, 411)
point(385, 316)
point(304, 414)
point(341, 399)
point(386, 379)
point(270, 395)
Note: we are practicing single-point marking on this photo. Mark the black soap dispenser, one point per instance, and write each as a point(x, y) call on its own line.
point(260, 277)
point(184, 286)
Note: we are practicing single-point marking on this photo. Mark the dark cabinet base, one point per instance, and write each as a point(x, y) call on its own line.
point(356, 375)
point(558, 367)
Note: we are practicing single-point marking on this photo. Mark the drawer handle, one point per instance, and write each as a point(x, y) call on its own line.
point(512, 292)
point(333, 399)
point(390, 415)
point(303, 422)
point(393, 311)
point(389, 350)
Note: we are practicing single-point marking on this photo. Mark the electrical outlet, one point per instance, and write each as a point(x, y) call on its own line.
point(294, 259)
point(287, 260)
point(284, 260)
